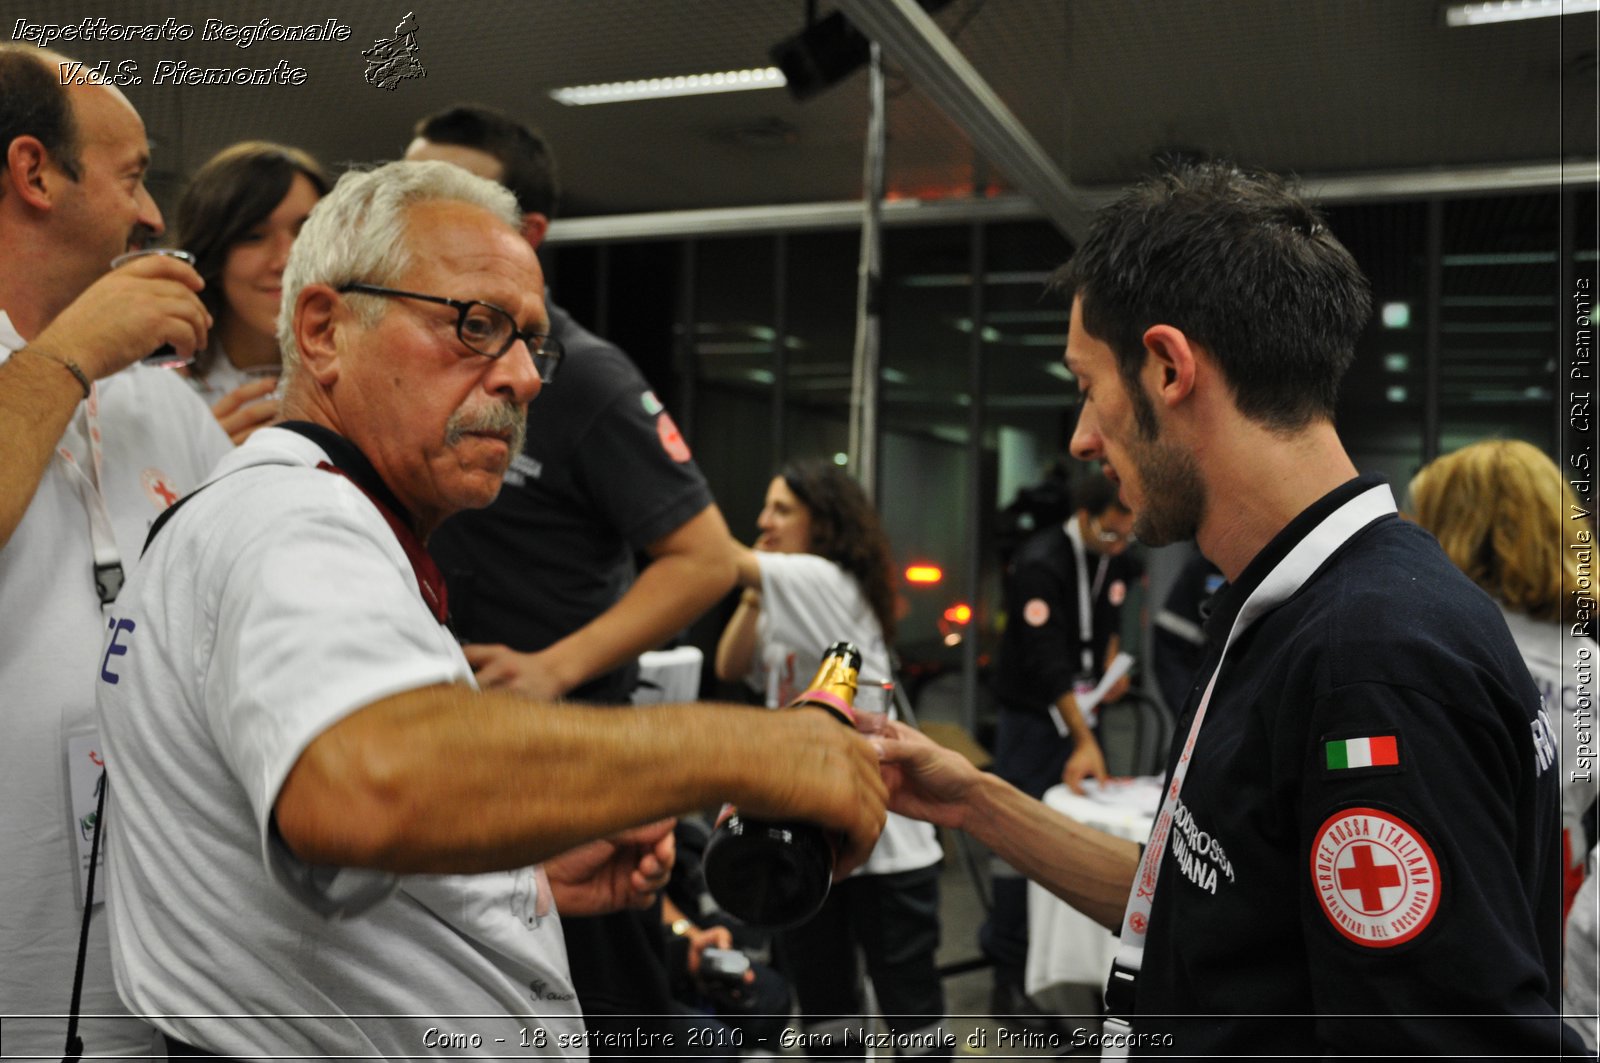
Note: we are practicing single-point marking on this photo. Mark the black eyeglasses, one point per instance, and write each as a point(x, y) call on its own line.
point(483, 328)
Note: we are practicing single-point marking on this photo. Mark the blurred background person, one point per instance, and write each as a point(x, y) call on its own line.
point(1064, 590)
point(1178, 642)
point(821, 573)
point(1506, 517)
point(239, 216)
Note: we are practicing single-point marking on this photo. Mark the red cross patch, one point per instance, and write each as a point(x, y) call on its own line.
point(671, 439)
point(1376, 877)
point(1036, 612)
point(158, 487)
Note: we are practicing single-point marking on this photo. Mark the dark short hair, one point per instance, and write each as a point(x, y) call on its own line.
point(34, 103)
point(530, 169)
point(1244, 267)
point(232, 193)
point(846, 530)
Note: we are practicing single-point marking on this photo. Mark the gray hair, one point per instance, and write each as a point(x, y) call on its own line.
point(358, 233)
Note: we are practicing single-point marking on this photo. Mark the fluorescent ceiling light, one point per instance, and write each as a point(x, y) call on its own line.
point(1515, 10)
point(681, 85)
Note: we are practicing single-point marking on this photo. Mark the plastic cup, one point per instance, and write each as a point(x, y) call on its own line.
point(165, 356)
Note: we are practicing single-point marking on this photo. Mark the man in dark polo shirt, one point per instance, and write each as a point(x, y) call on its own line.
point(1358, 849)
point(1064, 592)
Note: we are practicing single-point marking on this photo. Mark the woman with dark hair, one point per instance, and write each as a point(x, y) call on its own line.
point(238, 217)
point(820, 573)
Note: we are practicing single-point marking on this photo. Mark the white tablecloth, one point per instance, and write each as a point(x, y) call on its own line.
point(1064, 946)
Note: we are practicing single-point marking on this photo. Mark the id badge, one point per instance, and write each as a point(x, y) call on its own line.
point(85, 775)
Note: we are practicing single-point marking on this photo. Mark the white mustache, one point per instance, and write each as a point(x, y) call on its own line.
point(499, 417)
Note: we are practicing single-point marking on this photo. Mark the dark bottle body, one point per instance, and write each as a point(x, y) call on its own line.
point(776, 873)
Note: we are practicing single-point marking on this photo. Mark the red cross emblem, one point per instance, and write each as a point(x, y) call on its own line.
point(1368, 878)
point(672, 440)
point(1376, 877)
point(158, 488)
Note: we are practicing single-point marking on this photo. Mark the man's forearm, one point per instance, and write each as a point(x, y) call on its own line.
point(37, 399)
point(669, 595)
point(449, 780)
point(1087, 868)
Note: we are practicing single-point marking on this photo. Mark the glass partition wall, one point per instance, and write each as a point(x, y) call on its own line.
point(749, 341)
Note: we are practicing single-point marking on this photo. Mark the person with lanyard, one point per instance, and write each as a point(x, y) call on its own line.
point(1358, 851)
point(93, 449)
point(1064, 592)
point(546, 593)
point(821, 572)
point(385, 846)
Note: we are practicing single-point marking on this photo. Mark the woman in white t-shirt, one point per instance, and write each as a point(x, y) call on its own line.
point(1507, 518)
point(238, 217)
point(821, 573)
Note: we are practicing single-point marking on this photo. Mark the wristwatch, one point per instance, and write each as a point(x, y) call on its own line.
point(681, 927)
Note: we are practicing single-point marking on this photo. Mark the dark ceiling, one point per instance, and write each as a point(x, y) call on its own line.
point(1336, 89)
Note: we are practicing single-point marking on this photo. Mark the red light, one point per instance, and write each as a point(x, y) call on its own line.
point(924, 574)
point(960, 613)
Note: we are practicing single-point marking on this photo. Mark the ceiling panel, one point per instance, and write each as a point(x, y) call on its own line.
point(1313, 86)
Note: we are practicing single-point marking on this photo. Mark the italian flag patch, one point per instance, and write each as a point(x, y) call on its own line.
point(1377, 751)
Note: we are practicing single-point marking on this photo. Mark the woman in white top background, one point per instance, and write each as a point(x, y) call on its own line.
point(239, 216)
point(821, 572)
point(1507, 518)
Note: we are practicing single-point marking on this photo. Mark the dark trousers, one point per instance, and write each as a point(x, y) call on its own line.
point(1029, 753)
point(895, 920)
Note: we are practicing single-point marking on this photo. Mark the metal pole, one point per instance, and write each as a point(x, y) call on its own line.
point(780, 349)
point(1432, 336)
point(975, 499)
point(864, 373)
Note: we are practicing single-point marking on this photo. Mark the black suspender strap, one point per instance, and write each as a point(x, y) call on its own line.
point(74, 1046)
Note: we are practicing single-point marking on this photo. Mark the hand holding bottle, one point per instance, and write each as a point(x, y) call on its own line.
point(776, 873)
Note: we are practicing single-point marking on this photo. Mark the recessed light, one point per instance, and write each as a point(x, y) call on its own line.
point(1479, 14)
point(679, 85)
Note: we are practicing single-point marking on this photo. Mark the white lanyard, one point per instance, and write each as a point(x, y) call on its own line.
point(1287, 577)
point(1086, 594)
point(107, 557)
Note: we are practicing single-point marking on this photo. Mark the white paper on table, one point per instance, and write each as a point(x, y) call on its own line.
point(1140, 794)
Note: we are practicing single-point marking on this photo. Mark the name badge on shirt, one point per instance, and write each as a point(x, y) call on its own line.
point(85, 770)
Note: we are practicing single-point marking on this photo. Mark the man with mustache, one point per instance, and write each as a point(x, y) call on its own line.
point(544, 583)
point(324, 839)
point(1358, 850)
point(90, 452)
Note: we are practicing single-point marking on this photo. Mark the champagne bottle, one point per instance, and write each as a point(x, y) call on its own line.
point(774, 874)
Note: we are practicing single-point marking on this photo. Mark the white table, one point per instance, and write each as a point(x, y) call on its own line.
point(1064, 946)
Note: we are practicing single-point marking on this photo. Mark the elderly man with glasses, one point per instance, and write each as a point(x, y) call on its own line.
point(322, 838)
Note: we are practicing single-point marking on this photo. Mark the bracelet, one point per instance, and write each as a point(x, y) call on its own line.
point(66, 363)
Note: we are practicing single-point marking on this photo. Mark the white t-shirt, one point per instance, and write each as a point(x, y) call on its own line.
point(278, 602)
point(223, 378)
point(159, 441)
point(1552, 656)
point(807, 604)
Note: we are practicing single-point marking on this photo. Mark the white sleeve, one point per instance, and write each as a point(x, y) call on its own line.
point(808, 603)
point(319, 616)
